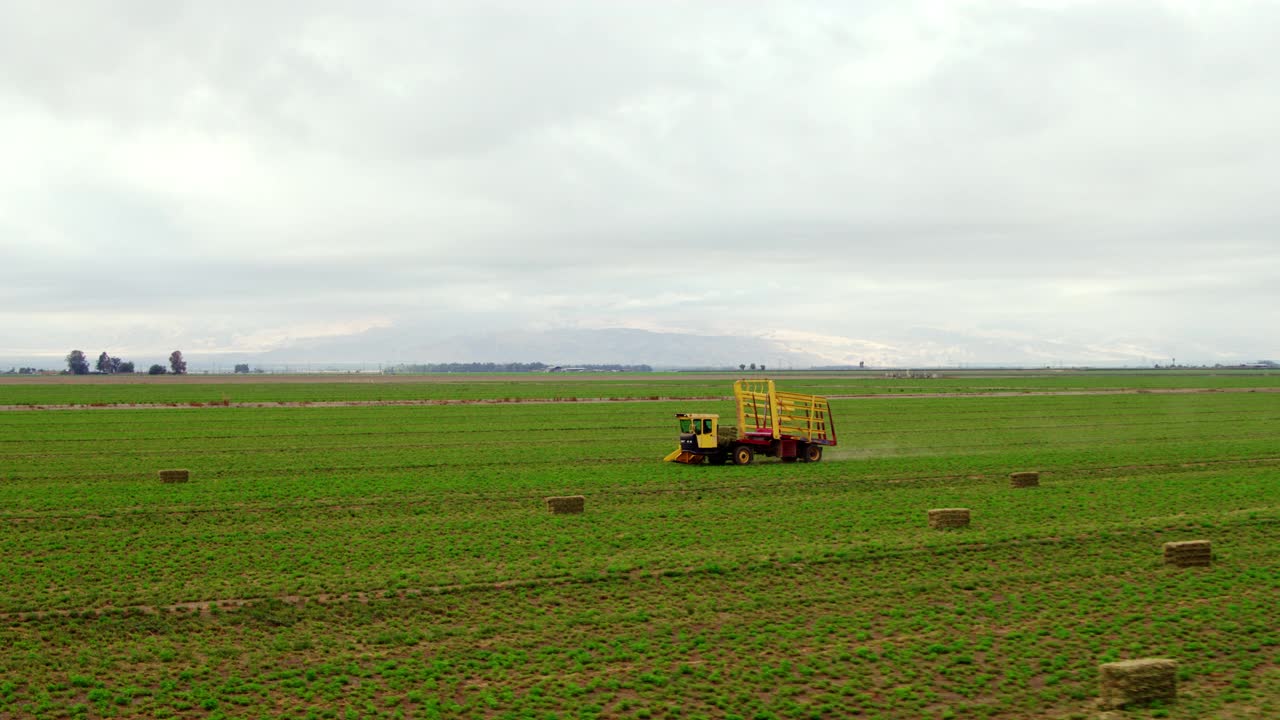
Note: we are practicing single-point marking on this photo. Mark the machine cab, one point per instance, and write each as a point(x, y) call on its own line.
point(698, 431)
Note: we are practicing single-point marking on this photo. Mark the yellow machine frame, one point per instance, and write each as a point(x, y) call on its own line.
point(782, 414)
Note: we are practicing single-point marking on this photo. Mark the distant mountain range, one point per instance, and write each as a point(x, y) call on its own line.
point(554, 347)
point(915, 347)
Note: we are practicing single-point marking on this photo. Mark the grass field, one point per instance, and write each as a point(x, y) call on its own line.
point(219, 389)
point(398, 561)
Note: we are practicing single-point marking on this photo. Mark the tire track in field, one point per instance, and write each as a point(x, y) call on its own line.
point(596, 400)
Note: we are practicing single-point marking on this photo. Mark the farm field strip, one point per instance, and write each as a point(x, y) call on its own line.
point(286, 503)
point(1255, 414)
point(482, 476)
point(432, 470)
point(340, 431)
point(212, 427)
point(620, 445)
point(116, 390)
point(944, 418)
point(869, 461)
point(839, 638)
point(298, 545)
point(966, 558)
point(610, 399)
point(468, 479)
point(943, 409)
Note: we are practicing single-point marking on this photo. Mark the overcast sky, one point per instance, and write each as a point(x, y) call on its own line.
point(839, 176)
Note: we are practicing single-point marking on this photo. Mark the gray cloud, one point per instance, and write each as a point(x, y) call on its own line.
point(1084, 174)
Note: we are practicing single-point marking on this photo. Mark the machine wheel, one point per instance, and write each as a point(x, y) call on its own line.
point(812, 453)
point(743, 455)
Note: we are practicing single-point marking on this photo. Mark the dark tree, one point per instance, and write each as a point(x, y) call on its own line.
point(104, 363)
point(156, 370)
point(176, 364)
point(742, 366)
point(242, 368)
point(123, 367)
point(753, 366)
point(76, 363)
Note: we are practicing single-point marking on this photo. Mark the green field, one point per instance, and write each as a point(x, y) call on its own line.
point(210, 390)
point(398, 561)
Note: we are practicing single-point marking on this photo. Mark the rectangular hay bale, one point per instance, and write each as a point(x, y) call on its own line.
point(1137, 681)
point(1188, 553)
point(944, 518)
point(1024, 479)
point(568, 504)
point(174, 476)
point(726, 434)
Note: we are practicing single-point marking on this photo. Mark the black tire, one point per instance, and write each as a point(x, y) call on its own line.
point(811, 453)
point(743, 455)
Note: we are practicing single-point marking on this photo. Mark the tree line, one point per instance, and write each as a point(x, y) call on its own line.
point(78, 364)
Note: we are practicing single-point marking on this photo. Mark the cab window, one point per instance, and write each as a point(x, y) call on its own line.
point(706, 426)
point(684, 425)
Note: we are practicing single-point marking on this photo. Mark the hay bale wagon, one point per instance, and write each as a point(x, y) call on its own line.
point(788, 426)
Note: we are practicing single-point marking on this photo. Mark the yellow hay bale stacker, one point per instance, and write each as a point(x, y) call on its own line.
point(785, 425)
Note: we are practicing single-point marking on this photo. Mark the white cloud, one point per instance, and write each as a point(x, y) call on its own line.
point(1097, 176)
